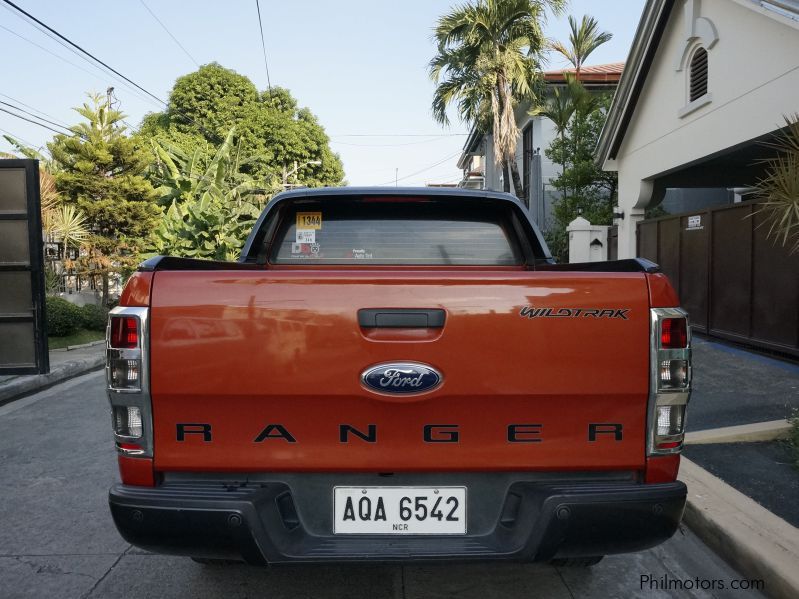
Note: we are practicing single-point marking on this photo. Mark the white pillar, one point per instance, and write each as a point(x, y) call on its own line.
point(628, 224)
point(587, 242)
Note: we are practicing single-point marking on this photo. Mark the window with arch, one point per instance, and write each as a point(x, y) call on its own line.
point(697, 84)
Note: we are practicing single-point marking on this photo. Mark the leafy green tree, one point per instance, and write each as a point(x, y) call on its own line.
point(212, 207)
point(489, 52)
point(101, 171)
point(270, 127)
point(585, 188)
point(578, 116)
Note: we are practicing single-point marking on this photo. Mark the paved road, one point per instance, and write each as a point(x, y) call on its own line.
point(734, 386)
point(57, 538)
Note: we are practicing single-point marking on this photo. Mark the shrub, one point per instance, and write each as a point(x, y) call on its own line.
point(63, 317)
point(94, 317)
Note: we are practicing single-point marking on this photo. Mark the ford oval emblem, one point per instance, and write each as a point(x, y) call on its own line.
point(401, 378)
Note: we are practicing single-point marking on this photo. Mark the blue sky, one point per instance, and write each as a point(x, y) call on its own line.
point(360, 65)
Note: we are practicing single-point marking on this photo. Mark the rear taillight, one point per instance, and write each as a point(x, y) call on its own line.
point(127, 421)
point(670, 386)
point(127, 377)
point(124, 353)
point(673, 333)
point(123, 332)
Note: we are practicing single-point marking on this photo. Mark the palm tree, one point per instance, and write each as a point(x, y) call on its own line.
point(778, 189)
point(67, 223)
point(583, 40)
point(488, 59)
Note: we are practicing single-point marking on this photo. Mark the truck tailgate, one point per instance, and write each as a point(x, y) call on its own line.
point(258, 370)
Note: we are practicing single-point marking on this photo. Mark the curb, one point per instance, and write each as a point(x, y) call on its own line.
point(25, 385)
point(743, 433)
point(744, 533)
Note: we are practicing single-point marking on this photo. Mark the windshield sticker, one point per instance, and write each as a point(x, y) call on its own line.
point(303, 251)
point(361, 254)
point(306, 236)
point(309, 220)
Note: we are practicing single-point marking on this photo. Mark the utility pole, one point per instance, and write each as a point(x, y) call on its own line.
point(293, 172)
point(396, 174)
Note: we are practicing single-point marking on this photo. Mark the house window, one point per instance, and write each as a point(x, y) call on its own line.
point(698, 75)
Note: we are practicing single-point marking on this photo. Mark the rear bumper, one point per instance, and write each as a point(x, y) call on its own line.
point(266, 522)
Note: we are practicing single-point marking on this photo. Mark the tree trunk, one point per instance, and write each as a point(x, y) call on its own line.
point(517, 182)
point(505, 177)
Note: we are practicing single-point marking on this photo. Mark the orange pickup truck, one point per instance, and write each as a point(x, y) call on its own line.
point(397, 374)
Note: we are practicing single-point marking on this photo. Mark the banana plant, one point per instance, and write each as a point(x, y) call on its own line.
point(212, 206)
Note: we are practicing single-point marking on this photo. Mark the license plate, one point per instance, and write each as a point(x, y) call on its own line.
point(399, 510)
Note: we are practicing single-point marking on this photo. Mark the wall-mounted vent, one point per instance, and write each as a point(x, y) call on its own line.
point(698, 83)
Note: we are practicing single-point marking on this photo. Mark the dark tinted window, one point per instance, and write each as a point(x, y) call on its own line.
point(413, 233)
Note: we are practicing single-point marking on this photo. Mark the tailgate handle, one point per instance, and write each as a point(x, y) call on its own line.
point(401, 318)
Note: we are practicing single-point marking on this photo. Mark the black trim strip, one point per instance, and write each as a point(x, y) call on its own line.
point(17, 317)
point(628, 265)
point(173, 263)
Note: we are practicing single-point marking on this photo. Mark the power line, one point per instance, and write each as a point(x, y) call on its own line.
point(86, 53)
point(17, 137)
point(97, 76)
point(19, 116)
point(22, 110)
point(407, 143)
point(399, 135)
point(69, 62)
point(442, 161)
point(82, 50)
point(50, 52)
point(263, 46)
point(33, 108)
point(174, 39)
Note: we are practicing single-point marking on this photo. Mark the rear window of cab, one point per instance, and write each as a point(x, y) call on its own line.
point(399, 233)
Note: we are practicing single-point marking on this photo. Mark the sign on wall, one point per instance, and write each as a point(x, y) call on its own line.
point(23, 336)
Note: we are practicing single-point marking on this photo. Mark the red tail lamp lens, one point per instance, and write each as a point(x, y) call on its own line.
point(124, 332)
point(673, 333)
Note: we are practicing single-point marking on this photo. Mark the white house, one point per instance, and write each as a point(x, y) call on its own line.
point(705, 82)
point(537, 132)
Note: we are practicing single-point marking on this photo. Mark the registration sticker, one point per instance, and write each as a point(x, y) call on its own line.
point(306, 236)
point(309, 220)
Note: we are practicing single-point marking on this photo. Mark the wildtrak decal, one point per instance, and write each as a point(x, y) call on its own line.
point(530, 312)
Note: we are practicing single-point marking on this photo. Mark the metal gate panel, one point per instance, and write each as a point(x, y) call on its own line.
point(735, 282)
point(23, 340)
point(669, 251)
point(775, 285)
point(693, 269)
point(648, 240)
point(731, 271)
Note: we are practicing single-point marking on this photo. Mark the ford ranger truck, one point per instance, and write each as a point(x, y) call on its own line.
point(394, 375)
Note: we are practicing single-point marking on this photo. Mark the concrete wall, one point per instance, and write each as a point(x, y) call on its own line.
point(753, 80)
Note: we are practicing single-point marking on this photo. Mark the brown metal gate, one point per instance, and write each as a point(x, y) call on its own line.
point(735, 283)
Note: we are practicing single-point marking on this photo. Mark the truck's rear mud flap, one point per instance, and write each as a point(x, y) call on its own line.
point(261, 524)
